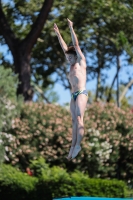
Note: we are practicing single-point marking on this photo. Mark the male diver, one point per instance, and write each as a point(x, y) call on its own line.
point(77, 79)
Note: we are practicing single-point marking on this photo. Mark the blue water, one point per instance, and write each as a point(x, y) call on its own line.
point(90, 198)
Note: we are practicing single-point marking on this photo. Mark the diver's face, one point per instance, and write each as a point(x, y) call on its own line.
point(71, 58)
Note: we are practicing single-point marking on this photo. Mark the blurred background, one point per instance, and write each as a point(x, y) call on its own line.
point(35, 121)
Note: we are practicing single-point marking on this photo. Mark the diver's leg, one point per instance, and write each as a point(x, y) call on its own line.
point(74, 126)
point(81, 103)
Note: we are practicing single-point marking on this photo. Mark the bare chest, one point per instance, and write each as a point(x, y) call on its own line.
point(76, 70)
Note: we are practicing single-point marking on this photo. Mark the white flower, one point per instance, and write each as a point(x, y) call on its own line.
point(6, 148)
point(91, 144)
point(1, 141)
point(96, 132)
point(6, 158)
point(95, 139)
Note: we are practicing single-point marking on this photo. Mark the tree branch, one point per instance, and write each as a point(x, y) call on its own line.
point(41, 93)
point(110, 90)
point(37, 27)
point(125, 90)
point(6, 31)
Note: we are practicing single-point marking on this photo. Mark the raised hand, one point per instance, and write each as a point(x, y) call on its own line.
point(70, 23)
point(56, 29)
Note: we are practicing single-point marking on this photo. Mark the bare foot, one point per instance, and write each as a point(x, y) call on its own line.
point(76, 150)
point(70, 153)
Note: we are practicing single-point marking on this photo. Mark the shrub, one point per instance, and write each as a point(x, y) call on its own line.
point(76, 184)
point(61, 183)
point(45, 130)
point(39, 132)
point(16, 185)
point(54, 182)
point(9, 105)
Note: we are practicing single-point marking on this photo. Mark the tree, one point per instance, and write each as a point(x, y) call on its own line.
point(20, 45)
point(103, 37)
point(125, 90)
point(101, 30)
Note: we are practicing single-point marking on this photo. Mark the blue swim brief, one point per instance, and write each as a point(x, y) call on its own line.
point(75, 94)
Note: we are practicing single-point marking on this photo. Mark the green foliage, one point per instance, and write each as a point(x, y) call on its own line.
point(129, 193)
point(126, 101)
point(15, 184)
point(64, 184)
point(39, 134)
point(101, 30)
point(47, 95)
point(39, 166)
point(14, 177)
point(54, 182)
point(23, 11)
point(8, 83)
point(2, 151)
point(9, 105)
point(45, 130)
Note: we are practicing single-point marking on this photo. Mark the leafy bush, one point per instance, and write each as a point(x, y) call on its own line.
point(45, 130)
point(39, 166)
point(76, 184)
point(16, 185)
point(9, 105)
point(39, 132)
point(2, 152)
point(54, 182)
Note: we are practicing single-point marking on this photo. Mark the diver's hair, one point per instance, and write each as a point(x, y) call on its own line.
point(71, 50)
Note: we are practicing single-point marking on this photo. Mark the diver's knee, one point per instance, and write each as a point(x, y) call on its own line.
point(80, 121)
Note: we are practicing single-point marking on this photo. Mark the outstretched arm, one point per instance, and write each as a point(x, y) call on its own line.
point(75, 41)
point(61, 41)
